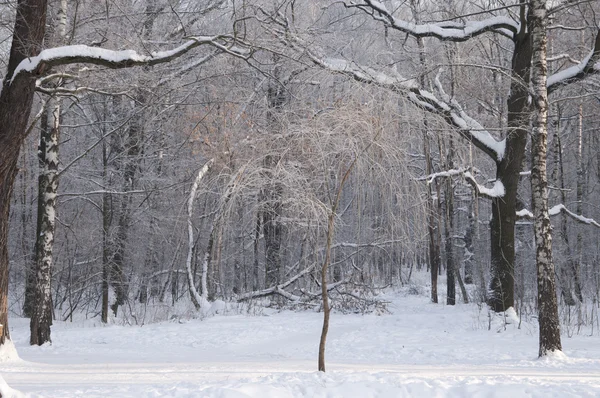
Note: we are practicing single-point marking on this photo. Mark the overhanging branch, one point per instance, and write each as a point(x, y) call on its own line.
point(122, 59)
point(444, 31)
point(589, 65)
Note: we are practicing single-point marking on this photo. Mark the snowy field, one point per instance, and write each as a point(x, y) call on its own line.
point(418, 350)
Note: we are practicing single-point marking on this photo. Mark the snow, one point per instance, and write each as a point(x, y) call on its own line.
point(555, 210)
point(8, 352)
point(7, 392)
point(418, 350)
point(367, 74)
point(568, 73)
point(496, 191)
point(524, 213)
point(83, 53)
point(30, 64)
point(445, 30)
point(489, 141)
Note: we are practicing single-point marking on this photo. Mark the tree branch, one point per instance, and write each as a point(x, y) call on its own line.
point(482, 191)
point(556, 210)
point(445, 31)
point(589, 65)
point(450, 110)
point(121, 59)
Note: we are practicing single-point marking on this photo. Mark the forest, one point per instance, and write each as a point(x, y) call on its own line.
point(159, 156)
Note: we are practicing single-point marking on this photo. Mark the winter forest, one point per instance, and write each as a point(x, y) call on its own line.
point(300, 182)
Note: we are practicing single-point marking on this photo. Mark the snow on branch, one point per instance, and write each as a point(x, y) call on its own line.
point(497, 191)
point(556, 210)
point(560, 208)
point(446, 31)
point(442, 174)
point(449, 109)
point(589, 65)
point(121, 59)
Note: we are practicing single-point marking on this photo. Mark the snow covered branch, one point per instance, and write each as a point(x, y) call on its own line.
point(496, 191)
point(121, 59)
point(445, 31)
point(449, 109)
point(556, 210)
point(589, 65)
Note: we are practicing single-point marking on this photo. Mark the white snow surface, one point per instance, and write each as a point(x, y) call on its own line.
point(418, 350)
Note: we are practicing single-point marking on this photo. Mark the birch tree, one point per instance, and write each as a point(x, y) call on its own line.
point(549, 328)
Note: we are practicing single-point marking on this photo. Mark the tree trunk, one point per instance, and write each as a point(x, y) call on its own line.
point(432, 232)
point(16, 101)
point(272, 192)
point(502, 224)
point(106, 221)
point(468, 239)
point(547, 303)
point(567, 268)
point(324, 295)
point(41, 318)
point(580, 189)
point(132, 148)
point(449, 231)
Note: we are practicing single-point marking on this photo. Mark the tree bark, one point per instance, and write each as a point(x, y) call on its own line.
point(432, 225)
point(468, 239)
point(324, 294)
point(451, 270)
point(41, 318)
point(106, 222)
point(502, 224)
point(549, 328)
point(16, 101)
point(273, 190)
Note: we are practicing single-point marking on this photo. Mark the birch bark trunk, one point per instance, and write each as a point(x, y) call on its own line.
point(549, 328)
point(41, 317)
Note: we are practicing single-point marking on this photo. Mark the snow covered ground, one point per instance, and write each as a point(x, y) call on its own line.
point(419, 350)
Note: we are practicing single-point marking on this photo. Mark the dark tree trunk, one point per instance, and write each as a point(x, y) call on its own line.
point(432, 225)
point(324, 295)
point(106, 222)
point(502, 225)
point(16, 101)
point(468, 239)
point(256, 273)
point(451, 270)
point(132, 149)
point(568, 271)
point(272, 192)
point(28, 304)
